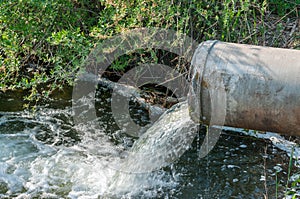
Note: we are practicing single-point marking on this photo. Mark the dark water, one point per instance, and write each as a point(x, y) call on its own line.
point(44, 155)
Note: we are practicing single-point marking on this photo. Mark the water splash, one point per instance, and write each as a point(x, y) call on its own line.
point(164, 142)
point(46, 156)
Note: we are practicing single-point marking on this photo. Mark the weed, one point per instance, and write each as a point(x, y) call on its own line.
point(44, 43)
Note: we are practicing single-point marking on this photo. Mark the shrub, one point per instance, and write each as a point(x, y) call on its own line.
point(43, 43)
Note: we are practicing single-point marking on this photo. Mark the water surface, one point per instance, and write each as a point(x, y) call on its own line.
point(44, 155)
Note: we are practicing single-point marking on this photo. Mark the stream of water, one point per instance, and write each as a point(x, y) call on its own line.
point(44, 155)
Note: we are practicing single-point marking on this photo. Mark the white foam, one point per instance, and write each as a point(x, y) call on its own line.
point(30, 168)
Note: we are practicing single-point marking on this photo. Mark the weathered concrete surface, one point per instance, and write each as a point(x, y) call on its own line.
point(260, 86)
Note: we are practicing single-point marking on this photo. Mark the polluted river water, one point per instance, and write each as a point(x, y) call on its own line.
point(44, 155)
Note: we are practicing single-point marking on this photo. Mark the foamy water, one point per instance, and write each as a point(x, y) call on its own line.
point(44, 155)
point(58, 165)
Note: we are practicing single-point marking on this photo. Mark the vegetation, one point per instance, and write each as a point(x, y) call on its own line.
point(43, 43)
point(292, 185)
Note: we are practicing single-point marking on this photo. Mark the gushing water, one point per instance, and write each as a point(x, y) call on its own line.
point(165, 141)
point(44, 155)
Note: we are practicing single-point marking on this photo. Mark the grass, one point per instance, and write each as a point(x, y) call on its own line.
point(292, 187)
point(43, 44)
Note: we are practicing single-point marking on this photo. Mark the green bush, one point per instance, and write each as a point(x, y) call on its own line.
point(43, 43)
point(283, 7)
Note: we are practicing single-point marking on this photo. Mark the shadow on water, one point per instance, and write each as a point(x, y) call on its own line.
point(14, 100)
point(45, 155)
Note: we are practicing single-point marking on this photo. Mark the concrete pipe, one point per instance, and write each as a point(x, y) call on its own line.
point(250, 87)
